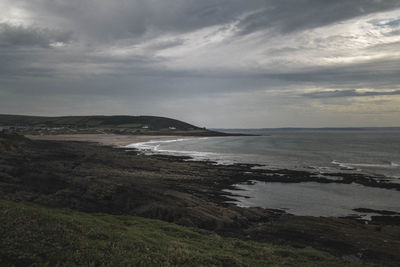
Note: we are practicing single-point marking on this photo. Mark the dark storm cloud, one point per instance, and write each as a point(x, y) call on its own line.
point(17, 36)
point(349, 93)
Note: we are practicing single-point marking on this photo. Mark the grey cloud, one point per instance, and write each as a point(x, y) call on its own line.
point(89, 70)
point(286, 16)
point(383, 73)
point(109, 20)
point(167, 44)
point(348, 93)
point(394, 46)
point(393, 33)
point(16, 36)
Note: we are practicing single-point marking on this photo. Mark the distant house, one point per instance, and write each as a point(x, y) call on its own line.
point(171, 128)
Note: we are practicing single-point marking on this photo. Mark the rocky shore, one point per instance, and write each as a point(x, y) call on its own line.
point(95, 178)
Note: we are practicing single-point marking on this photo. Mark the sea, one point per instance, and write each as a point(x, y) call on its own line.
point(370, 151)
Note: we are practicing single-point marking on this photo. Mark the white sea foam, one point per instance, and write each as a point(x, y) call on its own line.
point(153, 147)
point(342, 165)
point(352, 166)
point(153, 143)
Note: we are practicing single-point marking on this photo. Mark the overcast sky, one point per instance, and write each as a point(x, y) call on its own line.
point(213, 63)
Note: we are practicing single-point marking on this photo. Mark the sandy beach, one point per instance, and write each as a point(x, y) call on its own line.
point(106, 139)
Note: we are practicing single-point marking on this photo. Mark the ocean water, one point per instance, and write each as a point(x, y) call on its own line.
point(374, 152)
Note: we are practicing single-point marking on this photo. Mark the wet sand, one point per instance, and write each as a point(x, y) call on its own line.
point(106, 139)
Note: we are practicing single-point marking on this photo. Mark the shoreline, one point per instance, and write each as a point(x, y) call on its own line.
point(286, 176)
point(108, 139)
point(101, 178)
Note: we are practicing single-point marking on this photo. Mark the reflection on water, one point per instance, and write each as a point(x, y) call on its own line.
point(315, 199)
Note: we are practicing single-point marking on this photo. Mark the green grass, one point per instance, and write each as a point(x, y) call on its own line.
point(39, 236)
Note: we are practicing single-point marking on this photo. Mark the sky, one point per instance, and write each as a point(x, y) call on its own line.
point(213, 63)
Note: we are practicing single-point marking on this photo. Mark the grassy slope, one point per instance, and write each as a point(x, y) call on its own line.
point(96, 121)
point(150, 125)
point(35, 234)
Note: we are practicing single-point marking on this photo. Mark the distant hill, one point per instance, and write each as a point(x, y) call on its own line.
point(153, 122)
point(102, 124)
